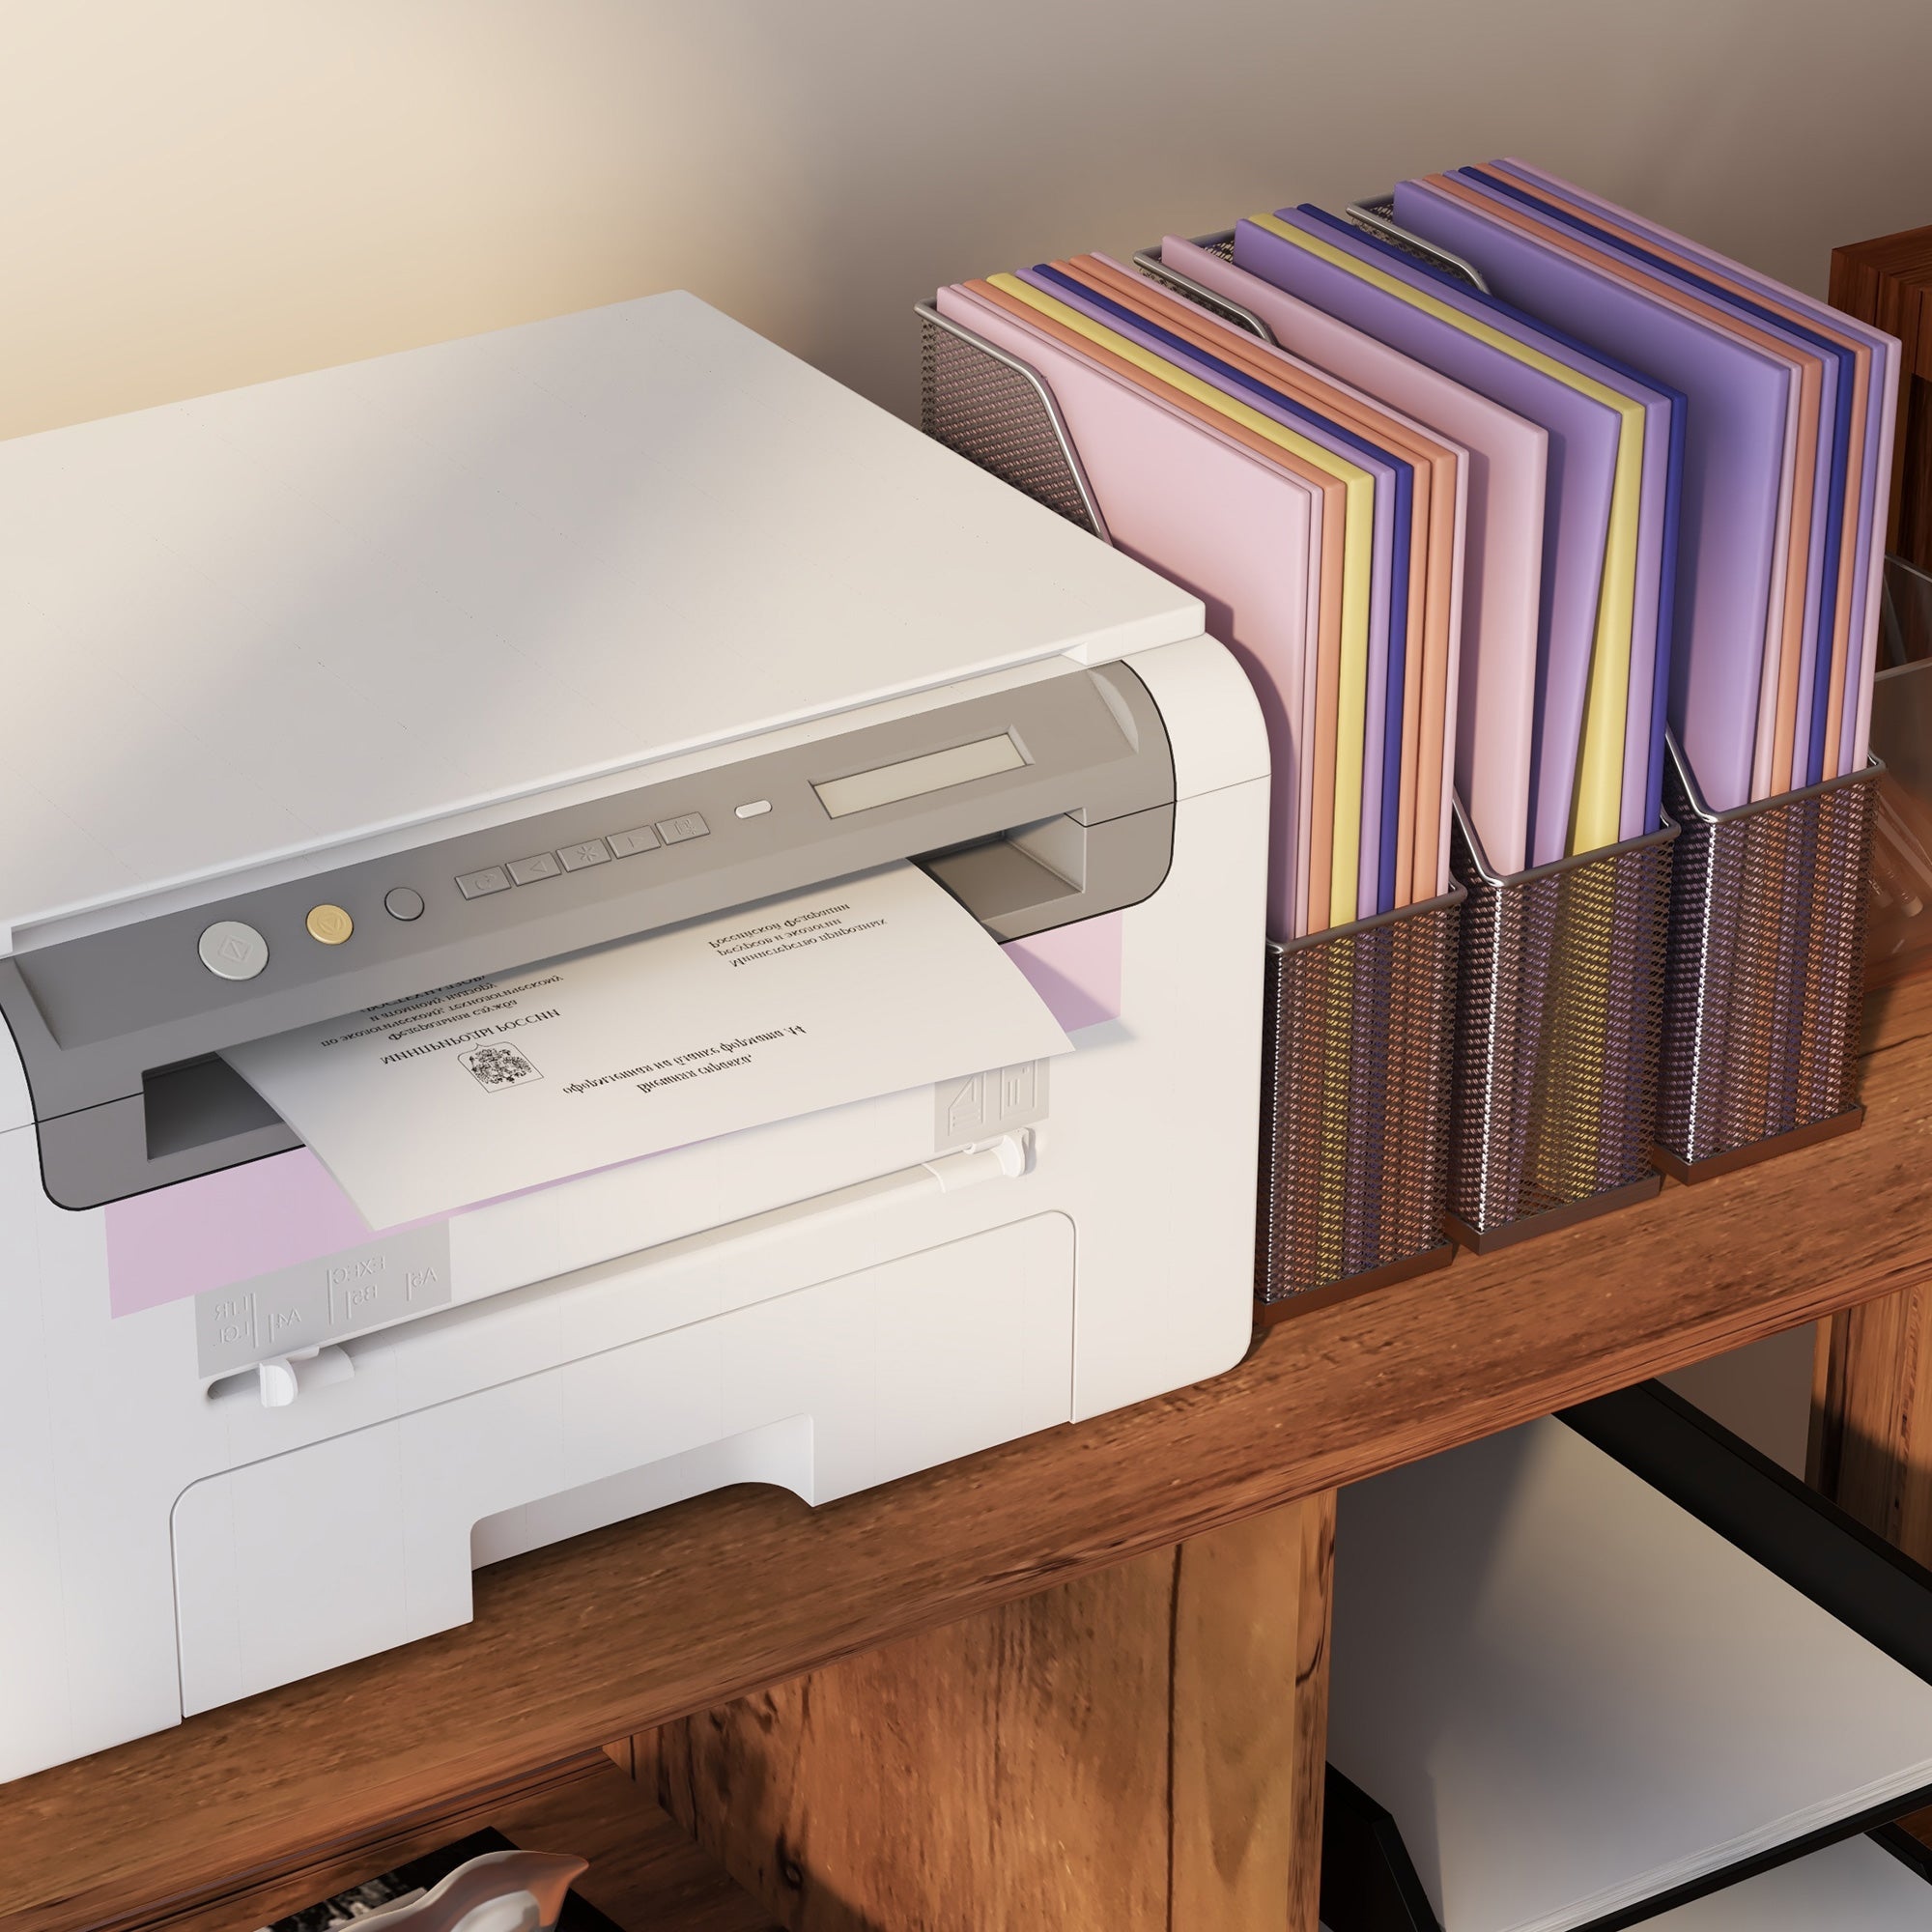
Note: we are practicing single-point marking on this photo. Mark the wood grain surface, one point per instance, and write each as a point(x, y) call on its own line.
point(1871, 1437)
point(1126, 1749)
point(1886, 282)
point(621, 1630)
point(646, 1873)
point(1248, 1747)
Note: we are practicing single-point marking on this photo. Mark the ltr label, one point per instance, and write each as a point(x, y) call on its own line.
point(318, 1302)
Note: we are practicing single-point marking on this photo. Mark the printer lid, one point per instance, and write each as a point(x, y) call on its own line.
point(273, 620)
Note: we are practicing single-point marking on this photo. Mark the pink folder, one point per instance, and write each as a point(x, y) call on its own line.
point(1502, 571)
point(1242, 535)
point(1424, 751)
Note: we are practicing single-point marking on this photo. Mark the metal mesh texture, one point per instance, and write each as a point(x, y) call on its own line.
point(1354, 1099)
point(1559, 1000)
point(1764, 983)
point(991, 415)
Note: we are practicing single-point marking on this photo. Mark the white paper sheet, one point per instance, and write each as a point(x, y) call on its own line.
point(1574, 1697)
point(869, 986)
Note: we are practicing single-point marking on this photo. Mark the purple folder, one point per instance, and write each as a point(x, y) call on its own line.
point(1637, 813)
point(1874, 481)
point(1733, 461)
point(1584, 436)
point(1819, 665)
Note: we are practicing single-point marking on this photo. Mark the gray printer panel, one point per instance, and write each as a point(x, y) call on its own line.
point(96, 1018)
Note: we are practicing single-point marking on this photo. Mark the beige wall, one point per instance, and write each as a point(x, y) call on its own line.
point(197, 193)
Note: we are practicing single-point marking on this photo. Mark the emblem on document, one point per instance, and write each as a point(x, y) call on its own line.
point(498, 1067)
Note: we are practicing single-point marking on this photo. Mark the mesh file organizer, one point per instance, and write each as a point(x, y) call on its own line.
point(1764, 986)
point(1764, 979)
point(1355, 1102)
point(1559, 992)
point(1355, 1074)
point(1558, 1003)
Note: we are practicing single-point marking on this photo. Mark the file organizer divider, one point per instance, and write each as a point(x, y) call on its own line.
point(1764, 983)
point(1558, 1006)
point(1354, 1101)
point(1553, 1090)
point(997, 413)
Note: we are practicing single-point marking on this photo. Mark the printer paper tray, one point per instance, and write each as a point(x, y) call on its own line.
point(301, 1561)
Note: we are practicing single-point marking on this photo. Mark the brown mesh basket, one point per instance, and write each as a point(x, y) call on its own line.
point(1354, 1101)
point(1764, 982)
point(1558, 1002)
point(993, 409)
point(1355, 1052)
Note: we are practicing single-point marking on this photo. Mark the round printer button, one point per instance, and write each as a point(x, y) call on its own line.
point(232, 951)
point(328, 924)
point(400, 902)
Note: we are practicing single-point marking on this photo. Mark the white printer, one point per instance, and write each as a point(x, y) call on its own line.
point(291, 675)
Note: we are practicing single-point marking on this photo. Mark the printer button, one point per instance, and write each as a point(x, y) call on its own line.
point(627, 843)
point(329, 925)
point(592, 852)
point(478, 884)
point(403, 902)
point(528, 871)
point(676, 830)
point(232, 951)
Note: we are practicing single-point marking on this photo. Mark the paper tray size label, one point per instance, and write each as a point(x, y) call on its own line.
point(301, 1307)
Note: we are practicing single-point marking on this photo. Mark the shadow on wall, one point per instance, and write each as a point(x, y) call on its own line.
point(211, 194)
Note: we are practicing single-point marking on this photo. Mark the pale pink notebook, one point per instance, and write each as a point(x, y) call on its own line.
point(1237, 532)
point(1502, 565)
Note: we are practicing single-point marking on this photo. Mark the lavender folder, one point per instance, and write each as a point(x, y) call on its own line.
point(1733, 461)
point(1866, 493)
point(1823, 661)
point(1582, 454)
point(1642, 779)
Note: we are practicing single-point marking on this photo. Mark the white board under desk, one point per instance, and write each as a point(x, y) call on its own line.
point(1854, 1886)
point(1573, 1697)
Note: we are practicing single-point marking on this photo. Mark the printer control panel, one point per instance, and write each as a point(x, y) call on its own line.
point(540, 866)
point(107, 1006)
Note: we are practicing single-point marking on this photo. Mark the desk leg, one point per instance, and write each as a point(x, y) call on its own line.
point(1872, 1417)
point(1139, 1748)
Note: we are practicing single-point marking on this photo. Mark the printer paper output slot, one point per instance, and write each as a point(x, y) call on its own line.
point(197, 1103)
point(874, 984)
point(1055, 871)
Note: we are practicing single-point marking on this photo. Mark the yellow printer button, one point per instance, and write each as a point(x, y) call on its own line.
point(330, 925)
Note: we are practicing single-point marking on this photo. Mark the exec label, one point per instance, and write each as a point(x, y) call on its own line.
point(316, 1301)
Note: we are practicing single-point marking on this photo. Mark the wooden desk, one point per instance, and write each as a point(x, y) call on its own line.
point(625, 1630)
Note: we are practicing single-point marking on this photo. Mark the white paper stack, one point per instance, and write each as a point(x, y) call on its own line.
point(1852, 1886)
point(1572, 1696)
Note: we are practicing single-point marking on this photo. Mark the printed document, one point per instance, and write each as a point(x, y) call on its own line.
point(869, 986)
